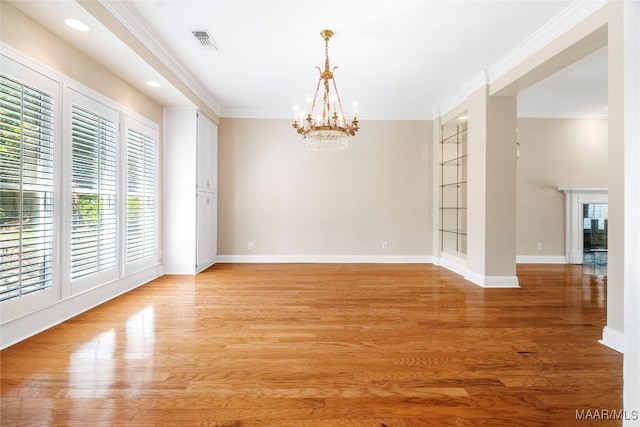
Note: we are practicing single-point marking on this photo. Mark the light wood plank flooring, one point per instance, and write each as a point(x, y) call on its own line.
point(325, 345)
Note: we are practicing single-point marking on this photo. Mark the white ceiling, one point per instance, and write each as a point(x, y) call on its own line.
point(399, 59)
point(579, 90)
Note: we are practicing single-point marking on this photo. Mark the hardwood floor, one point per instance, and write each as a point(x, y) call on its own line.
point(325, 345)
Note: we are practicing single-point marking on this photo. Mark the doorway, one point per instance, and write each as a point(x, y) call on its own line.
point(586, 224)
point(595, 227)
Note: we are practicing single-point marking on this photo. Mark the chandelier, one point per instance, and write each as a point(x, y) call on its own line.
point(328, 130)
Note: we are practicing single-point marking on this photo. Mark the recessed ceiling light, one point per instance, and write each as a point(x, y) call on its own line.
point(153, 83)
point(463, 117)
point(76, 24)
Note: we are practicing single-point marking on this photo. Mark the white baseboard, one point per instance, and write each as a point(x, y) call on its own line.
point(455, 264)
point(493, 281)
point(37, 321)
point(459, 266)
point(612, 339)
point(326, 259)
point(541, 259)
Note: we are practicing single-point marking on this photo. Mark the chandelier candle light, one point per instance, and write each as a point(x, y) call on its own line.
point(328, 130)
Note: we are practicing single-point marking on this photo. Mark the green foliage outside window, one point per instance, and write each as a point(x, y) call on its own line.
point(133, 206)
point(88, 208)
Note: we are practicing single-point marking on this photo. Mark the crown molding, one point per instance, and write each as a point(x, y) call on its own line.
point(571, 16)
point(256, 114)
point(130, 19)
point(568, 18)
point(467, 88)
point(540, 115)
point(459, 98)
point(479, 80)
point(230, 113)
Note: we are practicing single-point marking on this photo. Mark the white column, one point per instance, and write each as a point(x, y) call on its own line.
point(491, 176)
point(631, 53)
point(616, 179)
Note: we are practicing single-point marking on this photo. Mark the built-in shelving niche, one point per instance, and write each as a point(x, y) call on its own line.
point(453, 189)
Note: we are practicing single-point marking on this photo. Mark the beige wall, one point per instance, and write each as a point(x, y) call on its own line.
point(555, 152)
point(291, 201)
point(288, 200)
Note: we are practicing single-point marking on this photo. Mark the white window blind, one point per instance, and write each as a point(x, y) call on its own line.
point(94, 226)
point(26, 189)
point(141, 199)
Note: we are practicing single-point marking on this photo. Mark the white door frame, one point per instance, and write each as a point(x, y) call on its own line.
point(576, 196)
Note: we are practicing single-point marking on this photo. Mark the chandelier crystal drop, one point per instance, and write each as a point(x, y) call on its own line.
point(328, 130)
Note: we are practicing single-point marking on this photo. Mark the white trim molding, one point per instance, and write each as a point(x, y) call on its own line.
point(327, 259)
point(459, 266)
point(541, 259)
point(572, 15)
point(37, 321)
point(493, 281)
point(126, 15)
point(613, 339)
point(453, 263)
point(563, 115)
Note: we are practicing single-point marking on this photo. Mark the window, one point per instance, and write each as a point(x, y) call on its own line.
point(595, 213)
point(141, 196)
point(93, 199)
point(26, 211)
point(78, 194)
point(26, 189)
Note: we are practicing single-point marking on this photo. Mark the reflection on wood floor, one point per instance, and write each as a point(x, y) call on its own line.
point(325, 345)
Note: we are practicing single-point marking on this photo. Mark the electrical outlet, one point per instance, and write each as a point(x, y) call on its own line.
point(385, 246)
point(250, 246)
point(539, 246)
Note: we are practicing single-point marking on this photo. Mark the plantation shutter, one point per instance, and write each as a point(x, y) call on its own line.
point(141, 199)
point(93, 224)
point(26, 189)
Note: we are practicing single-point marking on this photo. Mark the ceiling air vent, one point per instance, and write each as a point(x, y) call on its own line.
point(206, 41)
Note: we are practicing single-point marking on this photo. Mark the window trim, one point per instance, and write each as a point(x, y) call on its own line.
point(147, 128)
point(22, 68)
point(44, 82)
point(28, 188)
point(107, 110)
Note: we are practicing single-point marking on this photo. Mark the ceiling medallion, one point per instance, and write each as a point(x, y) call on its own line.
point(328, 130)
